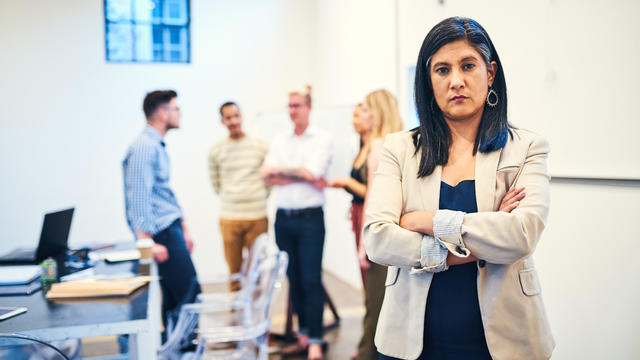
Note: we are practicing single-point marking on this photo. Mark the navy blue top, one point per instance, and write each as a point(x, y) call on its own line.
point(453, 324)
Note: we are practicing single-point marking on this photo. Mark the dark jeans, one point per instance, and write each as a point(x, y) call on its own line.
point(301, 235)
point(178, 278)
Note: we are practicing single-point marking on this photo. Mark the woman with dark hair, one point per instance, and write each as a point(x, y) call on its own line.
point(356, 183)
point(449, 215)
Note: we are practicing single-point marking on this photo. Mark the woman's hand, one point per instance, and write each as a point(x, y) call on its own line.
point(512, 199)
point(456, 260)
point(418, 221)
point(362, 258)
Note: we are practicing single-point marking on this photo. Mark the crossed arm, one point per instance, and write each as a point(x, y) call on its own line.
point(422, 241)
point(422, 222)
point(283, 176)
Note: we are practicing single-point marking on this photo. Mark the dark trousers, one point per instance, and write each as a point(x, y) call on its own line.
point(300, 234)
point(178, 278)
point(373, 297)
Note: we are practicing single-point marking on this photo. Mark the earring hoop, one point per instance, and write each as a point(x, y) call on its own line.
point(495, 95)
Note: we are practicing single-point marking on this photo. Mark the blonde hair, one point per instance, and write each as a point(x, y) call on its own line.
point(384, 109)
point(306, 93)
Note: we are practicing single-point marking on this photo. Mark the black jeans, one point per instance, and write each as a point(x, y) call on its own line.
point(300, 234)
point(178, 278)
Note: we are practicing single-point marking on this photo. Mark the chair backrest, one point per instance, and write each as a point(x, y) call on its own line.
point(271, 274)
point(250, 261)
point(19, 347)
point(255, 307)
point(249, 328)
point(239, 318)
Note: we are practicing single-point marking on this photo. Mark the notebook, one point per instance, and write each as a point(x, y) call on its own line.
point(88, 288)
point(18, 274)
point(28, 289)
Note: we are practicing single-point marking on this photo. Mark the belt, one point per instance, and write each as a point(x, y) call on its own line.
point(299, 212)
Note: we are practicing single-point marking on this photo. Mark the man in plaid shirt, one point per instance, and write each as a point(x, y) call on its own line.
point(152, 209)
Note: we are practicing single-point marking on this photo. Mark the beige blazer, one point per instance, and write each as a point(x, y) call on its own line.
point(514, 318)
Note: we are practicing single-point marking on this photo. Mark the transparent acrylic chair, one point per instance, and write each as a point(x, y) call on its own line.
point(258, 251)
point(236, 329)
point(22, 347)
point(249, 262)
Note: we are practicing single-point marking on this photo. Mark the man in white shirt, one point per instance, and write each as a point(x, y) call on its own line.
point(296, 166)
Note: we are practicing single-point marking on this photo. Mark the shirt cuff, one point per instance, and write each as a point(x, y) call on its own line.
point(433, 256)
point(142, 225)
point(447, 227)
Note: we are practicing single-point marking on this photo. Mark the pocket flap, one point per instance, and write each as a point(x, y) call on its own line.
point(529, 282)
point(392, 275)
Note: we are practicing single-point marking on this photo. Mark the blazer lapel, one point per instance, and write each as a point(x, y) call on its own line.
point(430, 189)
point(486, 167)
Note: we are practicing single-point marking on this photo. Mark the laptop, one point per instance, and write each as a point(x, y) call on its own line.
point(53, 240)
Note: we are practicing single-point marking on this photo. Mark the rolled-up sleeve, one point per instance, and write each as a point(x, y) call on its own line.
point(385, 241)
point(433, 256)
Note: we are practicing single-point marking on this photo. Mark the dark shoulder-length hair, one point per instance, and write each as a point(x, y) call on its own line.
point(433, 136)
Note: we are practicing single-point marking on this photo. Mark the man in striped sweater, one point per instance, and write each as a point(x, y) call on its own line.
point(234, 165)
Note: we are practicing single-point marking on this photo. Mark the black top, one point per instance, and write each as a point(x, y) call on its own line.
point(453, 324)
point(360, 175)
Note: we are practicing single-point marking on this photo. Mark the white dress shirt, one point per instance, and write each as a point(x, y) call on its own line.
point(312, 151)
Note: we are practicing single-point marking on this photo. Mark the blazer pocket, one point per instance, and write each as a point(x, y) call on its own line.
point(392, 275)
point(529, 282)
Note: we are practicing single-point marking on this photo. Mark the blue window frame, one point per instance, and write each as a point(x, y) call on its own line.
point(147, 31)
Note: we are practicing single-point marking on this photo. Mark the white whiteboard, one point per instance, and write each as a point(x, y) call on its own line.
point(571, 74)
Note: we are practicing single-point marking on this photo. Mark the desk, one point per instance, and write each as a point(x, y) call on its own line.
point(137, 315)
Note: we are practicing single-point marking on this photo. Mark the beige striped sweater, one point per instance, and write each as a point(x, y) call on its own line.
point(233, 168)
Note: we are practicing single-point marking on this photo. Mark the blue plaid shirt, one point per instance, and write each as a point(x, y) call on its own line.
point(150, 204)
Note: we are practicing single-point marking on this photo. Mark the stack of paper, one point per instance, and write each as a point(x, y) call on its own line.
point(19, 274)
point(96, 288)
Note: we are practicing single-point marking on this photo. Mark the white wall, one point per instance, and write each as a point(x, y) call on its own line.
point(68, 116)
point(567, 73)
point(588, 267)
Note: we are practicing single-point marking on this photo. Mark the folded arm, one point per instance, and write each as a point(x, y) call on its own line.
point(505, 237)
point(386, 242)
point(500, 237)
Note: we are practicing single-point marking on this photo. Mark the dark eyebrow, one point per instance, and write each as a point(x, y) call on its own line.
point(467, 58)
point(441, 63)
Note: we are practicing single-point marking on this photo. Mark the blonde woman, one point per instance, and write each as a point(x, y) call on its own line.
point(381, 109)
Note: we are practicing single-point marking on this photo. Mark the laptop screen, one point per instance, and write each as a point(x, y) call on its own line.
point(54, 235)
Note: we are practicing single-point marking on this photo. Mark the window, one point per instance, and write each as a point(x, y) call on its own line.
point(147, 30)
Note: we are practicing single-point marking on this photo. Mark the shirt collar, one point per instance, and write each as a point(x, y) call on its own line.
point(151, 132)
point(309, 131)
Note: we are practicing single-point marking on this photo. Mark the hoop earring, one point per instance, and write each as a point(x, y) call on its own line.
point(495, 94)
